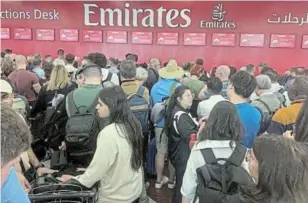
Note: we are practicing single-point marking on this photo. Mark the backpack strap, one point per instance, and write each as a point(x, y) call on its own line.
point(238, 155)
point(22, 166)
point(265, 104)
point(173, 87)
point(176, 119)
point(109, 76)
point(92, 107)
point(71, 105)
point(208, 156)
point(141, 90)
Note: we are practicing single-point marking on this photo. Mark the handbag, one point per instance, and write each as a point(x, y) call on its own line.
point(58, 160)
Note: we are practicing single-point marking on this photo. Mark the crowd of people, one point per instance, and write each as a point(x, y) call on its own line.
point(228, 134)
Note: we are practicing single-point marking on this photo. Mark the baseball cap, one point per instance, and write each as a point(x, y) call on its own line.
point(5, 87)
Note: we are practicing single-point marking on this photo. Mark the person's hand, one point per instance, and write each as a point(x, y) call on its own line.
point(42, 170)
point(288, 134)
point(24, 182)
point(63, 146)
point(65, 178)
point(202, 120)
point(81, 169)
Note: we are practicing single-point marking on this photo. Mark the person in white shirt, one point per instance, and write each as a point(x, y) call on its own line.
point(70, 59)
point(214, 87)
point(100, 60)
point(117, 162)
point(221, 132)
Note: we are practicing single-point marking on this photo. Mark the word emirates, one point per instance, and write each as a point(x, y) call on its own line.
point(135, 17)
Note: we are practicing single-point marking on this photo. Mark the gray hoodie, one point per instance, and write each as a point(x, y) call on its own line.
point(270, 100)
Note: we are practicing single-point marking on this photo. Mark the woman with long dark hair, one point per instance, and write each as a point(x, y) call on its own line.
point(179, 127)
point(279, 167)
point(221, 132)
point(301, 130)
point(117, 162)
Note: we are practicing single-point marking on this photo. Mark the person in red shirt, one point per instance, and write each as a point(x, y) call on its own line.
point(25, 82)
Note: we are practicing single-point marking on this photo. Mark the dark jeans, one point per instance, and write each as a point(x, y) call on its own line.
point(179, 174)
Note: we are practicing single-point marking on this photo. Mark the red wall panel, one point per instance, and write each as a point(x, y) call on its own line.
point(249, 17)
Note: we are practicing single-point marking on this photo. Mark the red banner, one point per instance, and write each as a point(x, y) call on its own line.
point(69, 35)
point(223, 39)
point(45, 34)
point(92, 36)
point(22, 33)
point(305, 42)
point(287, 41)
point(5, 33)
point(252, 40)
point(117, 37)
point(142, 37)
point(165, 38)
point(194, 39)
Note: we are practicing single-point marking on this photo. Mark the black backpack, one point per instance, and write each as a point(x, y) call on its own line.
point(55, 120)
point(81, 132)
point(266, 117)
point(218, 183)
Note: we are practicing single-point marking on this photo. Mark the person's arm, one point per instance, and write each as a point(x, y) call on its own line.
point(33, 159)
point(186, 126)
point(202, 93)
point(278, 124)
point(190, 179)
point(146, 94)
point(40, 169)
point(40, 104)
point(37, 87)
point(36, 84)
point(100, 163)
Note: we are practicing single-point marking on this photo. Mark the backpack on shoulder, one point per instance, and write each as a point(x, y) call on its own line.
point(281, 97)
point(218, 182)
point(140, 108)
point(266, 117)
point(81, 132)
point(108, 79)
point(176, 119)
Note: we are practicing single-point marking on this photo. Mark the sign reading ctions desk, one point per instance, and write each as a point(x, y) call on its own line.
point(305, 42)
point(168, 38)
point(23, 33)
point(45, 34)
point(92, 36)
point(223, 39)
point(5, 33)
point(286, 41)
point(194, 39)
point(252, 40)
point(142, 37)
point(69, 35)
point(117, 37)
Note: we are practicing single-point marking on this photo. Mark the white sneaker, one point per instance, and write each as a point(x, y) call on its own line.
point(171, 185)
point(160, 185)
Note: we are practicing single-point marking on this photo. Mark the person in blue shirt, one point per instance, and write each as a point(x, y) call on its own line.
point(162, 89)
point(15, 139)
point(241, 86)
point(37, 68)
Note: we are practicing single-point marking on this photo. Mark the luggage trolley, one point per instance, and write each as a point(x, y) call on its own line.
point(61, 193)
